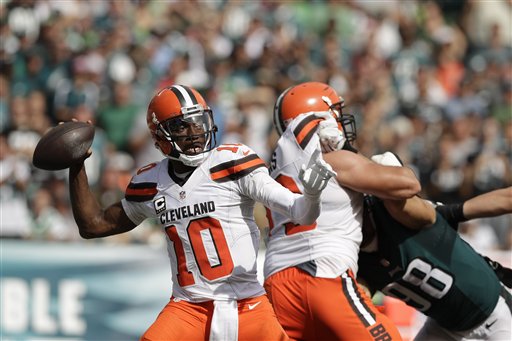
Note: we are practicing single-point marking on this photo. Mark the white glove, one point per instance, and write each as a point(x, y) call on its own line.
point(315, 175)
point(331, 137)
point(387, 159)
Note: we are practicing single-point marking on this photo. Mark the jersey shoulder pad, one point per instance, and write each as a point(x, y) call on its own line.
point(233, 161)
point(143, 185)
point(303, 128)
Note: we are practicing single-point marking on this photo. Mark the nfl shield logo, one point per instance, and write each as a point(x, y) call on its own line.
point(183, 195)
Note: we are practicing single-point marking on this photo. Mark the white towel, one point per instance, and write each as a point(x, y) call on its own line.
point(224, 325)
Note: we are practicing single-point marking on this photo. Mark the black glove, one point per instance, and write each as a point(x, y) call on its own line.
point(503, 273)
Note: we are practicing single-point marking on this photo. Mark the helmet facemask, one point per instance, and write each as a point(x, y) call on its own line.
point(194, 130)
point(346, 121)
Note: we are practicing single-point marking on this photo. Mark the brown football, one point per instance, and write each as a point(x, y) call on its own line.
point(63, 145)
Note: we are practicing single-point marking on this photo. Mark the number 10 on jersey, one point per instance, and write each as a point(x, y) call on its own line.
point(213, 259)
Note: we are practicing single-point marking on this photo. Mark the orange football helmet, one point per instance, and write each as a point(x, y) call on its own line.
point(312, 97)
point(170, 112)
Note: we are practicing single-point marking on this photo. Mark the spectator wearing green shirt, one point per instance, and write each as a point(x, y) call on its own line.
point(118, 118)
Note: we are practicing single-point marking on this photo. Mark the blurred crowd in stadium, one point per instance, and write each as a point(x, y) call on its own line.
point(429, 80)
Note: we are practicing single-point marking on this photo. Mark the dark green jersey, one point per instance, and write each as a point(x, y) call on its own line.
point(432, 270)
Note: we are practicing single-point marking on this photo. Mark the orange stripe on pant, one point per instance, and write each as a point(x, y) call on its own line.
point(191, 321)
point(313, 308)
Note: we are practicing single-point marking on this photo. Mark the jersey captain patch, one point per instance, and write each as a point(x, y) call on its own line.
point(236, 169)
point(142, 191)
point(305, 130)
point(159, 204)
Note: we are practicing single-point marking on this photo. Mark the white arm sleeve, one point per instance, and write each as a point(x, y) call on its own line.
point(135, 211)
point(301, 209)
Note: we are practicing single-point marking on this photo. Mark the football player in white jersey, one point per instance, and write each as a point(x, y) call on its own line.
point(309, 268)
point(203, 198)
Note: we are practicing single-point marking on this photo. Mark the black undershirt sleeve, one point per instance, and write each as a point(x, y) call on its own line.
point(452, 213)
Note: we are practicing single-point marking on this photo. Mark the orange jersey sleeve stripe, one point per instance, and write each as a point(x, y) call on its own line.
point(139, 192)
point(305, 130)
point(236, 169)
point(142, 191)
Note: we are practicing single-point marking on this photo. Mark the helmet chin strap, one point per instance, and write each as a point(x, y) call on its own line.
point(192, 160)
point(189, 160)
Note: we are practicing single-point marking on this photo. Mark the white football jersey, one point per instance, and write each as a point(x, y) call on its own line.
point(213, 240)
point(333, 241)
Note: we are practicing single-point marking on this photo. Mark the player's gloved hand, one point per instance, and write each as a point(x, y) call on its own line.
point(387, 159)
point(331, 137)
point(315, 175)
